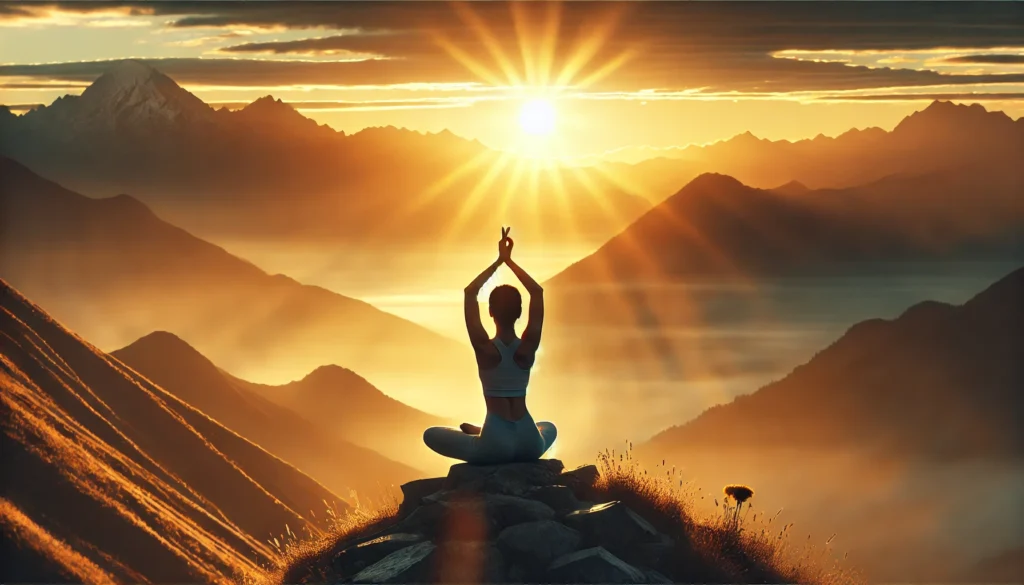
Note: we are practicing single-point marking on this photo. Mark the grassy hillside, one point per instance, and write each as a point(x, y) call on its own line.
point(100, 463)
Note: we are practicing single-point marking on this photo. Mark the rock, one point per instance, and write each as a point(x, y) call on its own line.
point(357, 557)
point(657, 578)
point(510, 510)
point(413, 492)
point(593, 565)
point(411, 564)
point(424, 519)
point(580, 480)
point(439, 496)
point(483, 516)
point(466, 518)
point(536, 544)
point(469, 562)
point(516, 574)
point(559, 497)
point(651, 554)
point(611, 525)
point(510, 478)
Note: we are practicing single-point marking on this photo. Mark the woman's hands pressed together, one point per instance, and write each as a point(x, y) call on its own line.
point(505, 245)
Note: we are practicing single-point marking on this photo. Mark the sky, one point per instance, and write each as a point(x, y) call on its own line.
point(615, 74)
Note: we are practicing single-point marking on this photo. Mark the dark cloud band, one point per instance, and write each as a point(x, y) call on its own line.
point(723, 47)
point(988, 59)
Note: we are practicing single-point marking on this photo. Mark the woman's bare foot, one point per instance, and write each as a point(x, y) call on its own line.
point(470, 429)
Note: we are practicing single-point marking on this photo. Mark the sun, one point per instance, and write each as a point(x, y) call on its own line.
point(537, 117)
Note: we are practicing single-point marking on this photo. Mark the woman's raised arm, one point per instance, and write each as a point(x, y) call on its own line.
point(531, 335)
point(477, 333)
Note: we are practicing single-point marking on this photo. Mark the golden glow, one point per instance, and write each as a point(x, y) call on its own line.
point(537, 117)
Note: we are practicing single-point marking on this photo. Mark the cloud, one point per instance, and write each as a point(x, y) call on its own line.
point(261, 73)
point(974, 97)
point(603, 46)
point(368, 105)
point(22, 108)
point(987, 59)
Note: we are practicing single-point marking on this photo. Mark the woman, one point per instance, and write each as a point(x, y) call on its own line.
point(509, 432)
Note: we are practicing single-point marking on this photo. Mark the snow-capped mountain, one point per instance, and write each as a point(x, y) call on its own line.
point(131, 98)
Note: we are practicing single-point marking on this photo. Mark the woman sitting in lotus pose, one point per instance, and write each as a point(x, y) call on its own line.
point(509, 432)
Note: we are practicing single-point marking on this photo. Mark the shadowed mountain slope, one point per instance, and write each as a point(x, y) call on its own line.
point(940, 382)
point(100, 463)
point(717, 226)
point(114, 271)
point(913, 423)
point(342, 403)
point(313, 448)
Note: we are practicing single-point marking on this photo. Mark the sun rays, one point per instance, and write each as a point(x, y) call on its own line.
point(527, 52)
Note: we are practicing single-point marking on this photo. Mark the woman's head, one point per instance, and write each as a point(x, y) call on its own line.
point(506, 305)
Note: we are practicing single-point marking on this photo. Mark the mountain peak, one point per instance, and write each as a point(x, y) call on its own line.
point(331, 372)
point(942, 116)
point(133, 96)
point(129, 72)
point(792, 188)
point(165, 344)
point(267, 103)
point(713, 181)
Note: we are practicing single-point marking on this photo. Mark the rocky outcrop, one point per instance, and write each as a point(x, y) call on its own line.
point(516, 523)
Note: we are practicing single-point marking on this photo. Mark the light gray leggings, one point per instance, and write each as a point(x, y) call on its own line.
point(500, 441)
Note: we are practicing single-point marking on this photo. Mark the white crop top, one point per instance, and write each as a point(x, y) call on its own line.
point(507, 379)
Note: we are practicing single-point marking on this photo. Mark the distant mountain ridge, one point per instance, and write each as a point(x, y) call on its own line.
point(942, 136)
point(333, 424)
point(346, 405)
point(717, 226)
point(131, 273)
point(265, 171)
point(339, 464)
point(101, 464)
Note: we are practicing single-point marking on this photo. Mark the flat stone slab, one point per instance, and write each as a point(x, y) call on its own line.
point(611, 525)
point(536, 544)
point(411, 564)
point(357, 557)
point(593, 565)
point(509, 478)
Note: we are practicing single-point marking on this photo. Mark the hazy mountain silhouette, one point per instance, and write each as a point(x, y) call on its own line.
point(101, 464)
point(267, 172)
point(717, 226)
point(313, 448)
point(902, 439)
point(941, 381)
point(792, 188)
point(114, 271)
point(943, 136)
point(341, 402)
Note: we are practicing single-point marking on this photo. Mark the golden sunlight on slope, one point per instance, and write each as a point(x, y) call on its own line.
point(128, 476)
point(39, 552)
